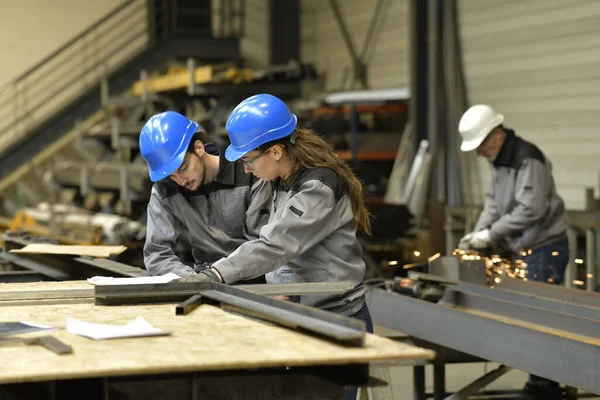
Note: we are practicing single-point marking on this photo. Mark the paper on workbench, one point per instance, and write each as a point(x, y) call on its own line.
point(109, 280)
point(136, 328)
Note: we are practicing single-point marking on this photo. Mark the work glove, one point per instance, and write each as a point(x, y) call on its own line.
point(465, 242)
point(202, 276)
point(481, 239)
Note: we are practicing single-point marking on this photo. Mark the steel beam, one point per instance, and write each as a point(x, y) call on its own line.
point(523, 297)
point(550, 355)
point(523, 312)
point(555, 292)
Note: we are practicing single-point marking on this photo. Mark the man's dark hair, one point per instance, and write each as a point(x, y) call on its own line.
point(197, 136)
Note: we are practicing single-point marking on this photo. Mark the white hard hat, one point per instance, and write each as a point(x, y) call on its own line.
point(476, 124)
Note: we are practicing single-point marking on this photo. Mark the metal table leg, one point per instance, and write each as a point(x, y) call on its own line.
point(439, 381)
point(419, 382)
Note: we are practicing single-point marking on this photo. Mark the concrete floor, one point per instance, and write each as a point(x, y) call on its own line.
point(457, 376)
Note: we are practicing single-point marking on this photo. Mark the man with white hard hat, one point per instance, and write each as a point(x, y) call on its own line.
point(522, 210)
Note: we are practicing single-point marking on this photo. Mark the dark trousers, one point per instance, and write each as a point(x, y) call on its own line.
point(364, 315)
point(547, 264)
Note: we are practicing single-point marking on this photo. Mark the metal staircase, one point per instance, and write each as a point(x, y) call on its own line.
point(44, 111)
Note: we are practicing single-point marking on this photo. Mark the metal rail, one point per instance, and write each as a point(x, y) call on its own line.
point(541, 349)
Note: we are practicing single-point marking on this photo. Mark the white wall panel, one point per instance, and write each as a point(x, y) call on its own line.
point(536, 61)
point(32, 29)
point(254, 46)
point(322, 43)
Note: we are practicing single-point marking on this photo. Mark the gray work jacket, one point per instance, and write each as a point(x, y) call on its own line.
point(310, 237)
point(217, 218)
point(522, 209)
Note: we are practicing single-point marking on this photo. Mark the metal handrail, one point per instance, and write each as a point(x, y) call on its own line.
point(79, 66)
point(39, 93)
point(122, 44)
point(44, 61)
point(64, 49)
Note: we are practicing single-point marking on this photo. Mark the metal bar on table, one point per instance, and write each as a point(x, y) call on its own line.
point(189, 305)
point(557, 357)
point(299, 289)
point(479, 384)
point(177, 292)
point(343, 329)
point(46, 294)
point(50, 342)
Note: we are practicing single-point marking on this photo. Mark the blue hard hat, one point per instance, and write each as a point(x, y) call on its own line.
point(257, 120)
point(164, 141)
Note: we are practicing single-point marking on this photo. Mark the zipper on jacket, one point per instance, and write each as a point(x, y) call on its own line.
point(209, 214)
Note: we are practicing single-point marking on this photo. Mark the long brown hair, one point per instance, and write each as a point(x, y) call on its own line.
point(309, 150)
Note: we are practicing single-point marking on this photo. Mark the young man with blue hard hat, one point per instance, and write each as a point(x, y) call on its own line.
point(197, 192)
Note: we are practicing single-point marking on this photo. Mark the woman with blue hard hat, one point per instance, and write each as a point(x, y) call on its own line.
point(317, 209)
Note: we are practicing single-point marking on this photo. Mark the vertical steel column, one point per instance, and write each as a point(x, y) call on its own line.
point(439, 382)
point(571, 271)
point(284, 34)
point(449, 229)
point(418, 70)
point(354, 136)
point(590, 259)
point(432, 100)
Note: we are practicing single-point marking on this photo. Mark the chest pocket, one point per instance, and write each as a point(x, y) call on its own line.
point(505, 190)
point(232, 212)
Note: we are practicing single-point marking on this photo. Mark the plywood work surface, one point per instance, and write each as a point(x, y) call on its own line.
point(208, 339)
point(89, 250)
point(41, 286)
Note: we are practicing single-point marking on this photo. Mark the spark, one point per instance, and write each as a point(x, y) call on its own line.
point(393, 262)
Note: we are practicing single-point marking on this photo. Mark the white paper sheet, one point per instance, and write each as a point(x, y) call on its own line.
point(136, 328)
point(109, 280)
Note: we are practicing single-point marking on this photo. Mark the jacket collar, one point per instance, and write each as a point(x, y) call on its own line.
point(279, 184)
point(226, 173)
point(507, 151)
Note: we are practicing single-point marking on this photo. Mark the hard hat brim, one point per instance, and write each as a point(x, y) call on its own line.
point(470, 145)
point(167, 169)
point(232, 154)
